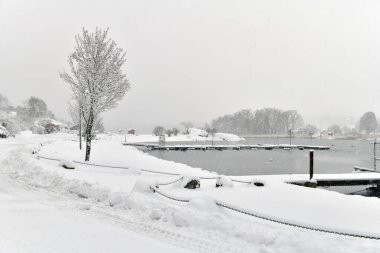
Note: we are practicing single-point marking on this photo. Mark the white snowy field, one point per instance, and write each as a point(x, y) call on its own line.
point(46, 208)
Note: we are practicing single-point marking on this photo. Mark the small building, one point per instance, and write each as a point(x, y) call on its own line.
point(76, 127)
point(131, 131)
point(51, 127)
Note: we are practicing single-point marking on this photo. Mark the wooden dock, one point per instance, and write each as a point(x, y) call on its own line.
point(153, 146)
point(350, 179)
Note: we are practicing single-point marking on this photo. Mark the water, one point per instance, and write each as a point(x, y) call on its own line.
point(341, 158)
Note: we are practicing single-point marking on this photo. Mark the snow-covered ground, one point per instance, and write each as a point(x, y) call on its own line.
point(46, 208)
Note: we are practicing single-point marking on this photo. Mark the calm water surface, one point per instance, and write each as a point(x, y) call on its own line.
point(341, 158)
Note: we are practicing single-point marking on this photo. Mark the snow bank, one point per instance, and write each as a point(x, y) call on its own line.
point(110, 152)
point(195, 132)
point(228, 137)
point(23, 167)
point(199, 134)
point(144, 185)
point(26, 133)
point(204, 204)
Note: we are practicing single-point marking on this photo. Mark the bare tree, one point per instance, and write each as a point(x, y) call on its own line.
point(96, 77)
point(262, 121)
point(158, 130)
point(309, 129)
point(175, 131)
point(4, 103)
point(292, 120)
point(187, 125)
point(334, 129)
point(76, 117)
point(36, 108)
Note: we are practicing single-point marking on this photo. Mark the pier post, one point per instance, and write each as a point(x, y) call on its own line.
point(311, 167)
point(374, 155)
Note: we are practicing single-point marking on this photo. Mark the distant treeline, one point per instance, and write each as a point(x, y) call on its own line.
point(22, 117)
point(267, 121)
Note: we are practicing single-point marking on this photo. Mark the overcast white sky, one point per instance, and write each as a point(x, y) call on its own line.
point(196, 60)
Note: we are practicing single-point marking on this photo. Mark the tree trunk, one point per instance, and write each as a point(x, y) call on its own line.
point(88, 148)
point(80, 129)
point(89, 135)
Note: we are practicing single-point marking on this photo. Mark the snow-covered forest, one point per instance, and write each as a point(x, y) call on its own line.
point(262, 121)
point(273, 121)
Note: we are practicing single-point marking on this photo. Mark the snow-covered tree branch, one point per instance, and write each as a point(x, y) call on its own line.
point(96, 78)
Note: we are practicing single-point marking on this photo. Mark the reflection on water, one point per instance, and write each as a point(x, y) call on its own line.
point(341, 158)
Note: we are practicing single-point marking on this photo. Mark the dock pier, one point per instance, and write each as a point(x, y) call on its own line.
point(152, 146)
point(349, 179)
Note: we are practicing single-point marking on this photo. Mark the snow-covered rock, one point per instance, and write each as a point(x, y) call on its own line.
point(224, 181)
point(67, 164)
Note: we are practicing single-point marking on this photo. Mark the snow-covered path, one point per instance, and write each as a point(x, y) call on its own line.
point(33, 221)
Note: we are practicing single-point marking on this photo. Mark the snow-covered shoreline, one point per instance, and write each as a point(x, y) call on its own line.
point(193, 135)
point(115, 189)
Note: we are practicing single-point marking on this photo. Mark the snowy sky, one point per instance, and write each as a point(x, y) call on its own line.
point(195, 59)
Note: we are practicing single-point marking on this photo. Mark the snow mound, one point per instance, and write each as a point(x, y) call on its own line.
point(67, 164)
point(144, 185)
point(21, 165)
point(121, 200)
point(155, 214)
point(228, 137)
point(224, 181)
point(204, 204)
point(195, 132)
point(26, 133)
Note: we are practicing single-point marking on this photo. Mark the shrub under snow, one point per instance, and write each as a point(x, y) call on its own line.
point(144, 185)
point(190, 182)
point(67, 164)
point(224, 181)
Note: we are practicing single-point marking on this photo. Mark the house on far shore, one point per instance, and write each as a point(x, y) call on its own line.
point(47, 126)
point(76, 127)
point(131, 131)
point(51, 128)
